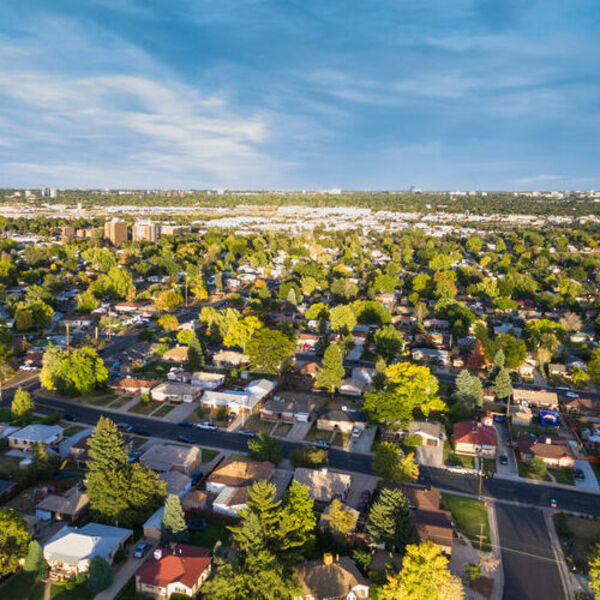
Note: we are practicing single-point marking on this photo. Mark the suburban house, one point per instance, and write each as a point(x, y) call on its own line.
point(536, 398)
point(557, 370)
point(364, 374)
point(246, 400)
point(68, 507)
point(430, 355)
point(178, 570)
point(178, 483)
point(170, 457)
point(430, 432)
point(306, 341)
point(194, 500)
point(178, 354)
point(587, 407)
point(475, 438)
point(70, 550)
point(170, 391)
point(520, 414)
point(341, 420)
point(229, 358)
point(555, 452)
point(288, 411)
point(25, 438)
point(207, 380)
point(132, 385)
point(353, 387)
point(433, 523)
point(331, 579)
point(324, 485)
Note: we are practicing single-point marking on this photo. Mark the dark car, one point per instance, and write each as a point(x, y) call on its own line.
point(196, 524)
point(247, 433)
point(503, 459)
point(196, 477)
point(185, 424)
point(322, 444)
point(579, 474)
point(134, 457)
point(140, 550)
point(69, 417)
point(185, 438)
point(126, 427)
point(140, 431)
point(365, 498)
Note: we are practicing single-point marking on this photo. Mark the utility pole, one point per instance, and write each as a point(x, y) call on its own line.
point(480, 536)
point(186, 291)
point(68, 325)
point(96, 330)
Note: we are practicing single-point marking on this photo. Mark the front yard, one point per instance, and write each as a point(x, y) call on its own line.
point(451, 459)
point(315, 434)
point(254, 423)
point(143, 408)
point(578, 536)
point(470, 517)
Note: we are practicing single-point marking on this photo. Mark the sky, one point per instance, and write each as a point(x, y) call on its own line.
point(302, 94)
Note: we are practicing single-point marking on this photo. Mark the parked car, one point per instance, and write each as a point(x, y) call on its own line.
point(126, 427)
point(141, 549)
point(69, 417)
point(365, 498)
point(579, 474)
point(322, 444)
point(503, 459)
point(553, 503)
point(572, 395)
point(141, 431)
point(134, 456)
point(206, 425)
point(27, 368)
point(356, 432)
point(247, 433)
point(196, 477)
point(185, 424)
point(196, 524)
point(188, 439)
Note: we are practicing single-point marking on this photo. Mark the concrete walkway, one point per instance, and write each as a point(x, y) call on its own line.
point(565, 575)
point(126, 571)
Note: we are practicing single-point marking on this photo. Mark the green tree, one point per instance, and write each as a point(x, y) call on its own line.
point(195, 358)
point(87, 302)
point(594, 573)
point(388, 342)
point(502, 384)
point(100, 575)
point(264, 447)
point(342, 319)
point(269, 349)
point(390, 521)
point(391, 463)
point(14, 540)
point(425, 575)
point(340, 520)
point(35, 563)
point(22, 405)
point(408, 387)
point(537, 467)
point(168, 322)
point(331, 374)
point(173, 527)
point(469, 388)
point(169, 300)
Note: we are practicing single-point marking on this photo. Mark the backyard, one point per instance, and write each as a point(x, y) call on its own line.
point(470, 517)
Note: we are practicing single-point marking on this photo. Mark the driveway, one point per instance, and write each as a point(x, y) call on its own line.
point(364, 442)
point(360, 482)
point(431, 456)
point(590, 482)
point(511, 468)
point(298, 431)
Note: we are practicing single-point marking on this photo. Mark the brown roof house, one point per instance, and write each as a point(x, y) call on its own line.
point(475, 438)
point(68, 507)
point(177, 354)
point(538, 398)
point(167, 457)
point(287, 411)
point(133, 385)
point(324, 485)
point(333, 419)
point(555, 452)
point(331, 579)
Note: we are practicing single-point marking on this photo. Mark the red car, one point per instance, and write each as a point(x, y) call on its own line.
point(365, 498)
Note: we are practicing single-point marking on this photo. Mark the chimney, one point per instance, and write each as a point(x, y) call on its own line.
point(157, 554)
point(548, 440)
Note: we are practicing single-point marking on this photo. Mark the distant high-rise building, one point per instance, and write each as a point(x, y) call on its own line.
point(116, 231)
point(145, 229)
point(47, 192)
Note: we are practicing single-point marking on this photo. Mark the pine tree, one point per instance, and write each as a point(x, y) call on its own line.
point(499, 359)
point(469, 388)
point(195, 355)
point(106, 447)
point(390, 520)
point(331, 374)
point(22, 405)
point(298, 520)
point(502, 384)
point(100, 575)
point(174, 527)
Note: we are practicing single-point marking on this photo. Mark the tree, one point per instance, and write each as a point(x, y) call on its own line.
point(425, 575)
point(388, 342)
point(408, 387)
point(537, 467)
point(469, 388)
point(168, 300)
point(342, 319)
point(264, 447)
point(35, 563)
point(195, 357)
point(331, 374)
point(22, 405)
point(87, 302)
point(168, 322)
point(298, 519)
point(14, 540)
point(340, 520)
point(390, 463)
point(173, 527)
point(100, 575)
point(269, 349)
point(460, 317)
point(502, 384)
point(241, 331)
point(571, 321)
point(408, 469)
point(594, 573)
point(514, 349)
point(593, 366)
point(390, 521)
point(476, 359)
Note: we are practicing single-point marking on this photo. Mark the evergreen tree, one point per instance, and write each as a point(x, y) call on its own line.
point(195, 356)
point(35, 563)
point(298, 519)
point(390, 521)
point(340, 520)
point(106, 447)
point(469, 388)
point(100, 575)
point(174, 527)
point(331, 374)
point(502, 384)
point(499, 359)
point(22, 405)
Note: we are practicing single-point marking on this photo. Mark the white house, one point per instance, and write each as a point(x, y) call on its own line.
point(170, 391)
point(24, 439)
point(207, 380)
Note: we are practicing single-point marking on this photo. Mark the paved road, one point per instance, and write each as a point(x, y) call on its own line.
point(530, 569)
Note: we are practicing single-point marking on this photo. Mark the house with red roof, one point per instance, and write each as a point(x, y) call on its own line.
point(181, 569)
point(475, 438)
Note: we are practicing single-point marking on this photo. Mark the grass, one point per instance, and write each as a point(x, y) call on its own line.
point(120, 401)
point(524, 471)
point(208, 454)
point(564, 475)
point(155, 370)
point(22, 587)
point(254, 423)
point(537, 430)
point(488, 464)
point(72, 430)
point(129, 593)
point(142, 408)
point(578, 537)
point(98, 399)
point(60, 592)
point(282, 429)
point(208, 537)
point(340, 440)
point(468, 516)
point(315, 434)
point(9, 465)
point(451, 459)
point(163, 410)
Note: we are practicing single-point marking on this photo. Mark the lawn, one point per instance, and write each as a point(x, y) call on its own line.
point(143, 408)
point(155, 370)
point(208, 454)
point(254, 423)
point(22, 587)
point(8, 465)
point(120, 401)
point(98, 399)
point(524, 472)
point(60, 592)
point(488, 464)
point(578, 537)
point(564, 475)
point(451, 459)
point(163, 410)
point(72, 430)
point(317, 434)
point(129, 593)
point(341, 440)
point(282, 429)
point(208, 537)
point(468, 516)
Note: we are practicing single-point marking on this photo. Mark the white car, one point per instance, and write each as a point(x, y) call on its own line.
point(206, 425)
point(572, 395)
point(27, 368)
point(356, 432)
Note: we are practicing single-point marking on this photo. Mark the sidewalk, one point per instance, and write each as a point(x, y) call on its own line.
point(565, 575)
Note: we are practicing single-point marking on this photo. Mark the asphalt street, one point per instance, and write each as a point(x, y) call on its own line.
point(530, 569)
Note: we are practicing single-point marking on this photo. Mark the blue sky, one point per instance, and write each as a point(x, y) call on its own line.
point(357, 94)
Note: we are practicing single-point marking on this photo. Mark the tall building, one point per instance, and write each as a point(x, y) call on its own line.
point(145, 229)
point(116, 231)
point(47, 192)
